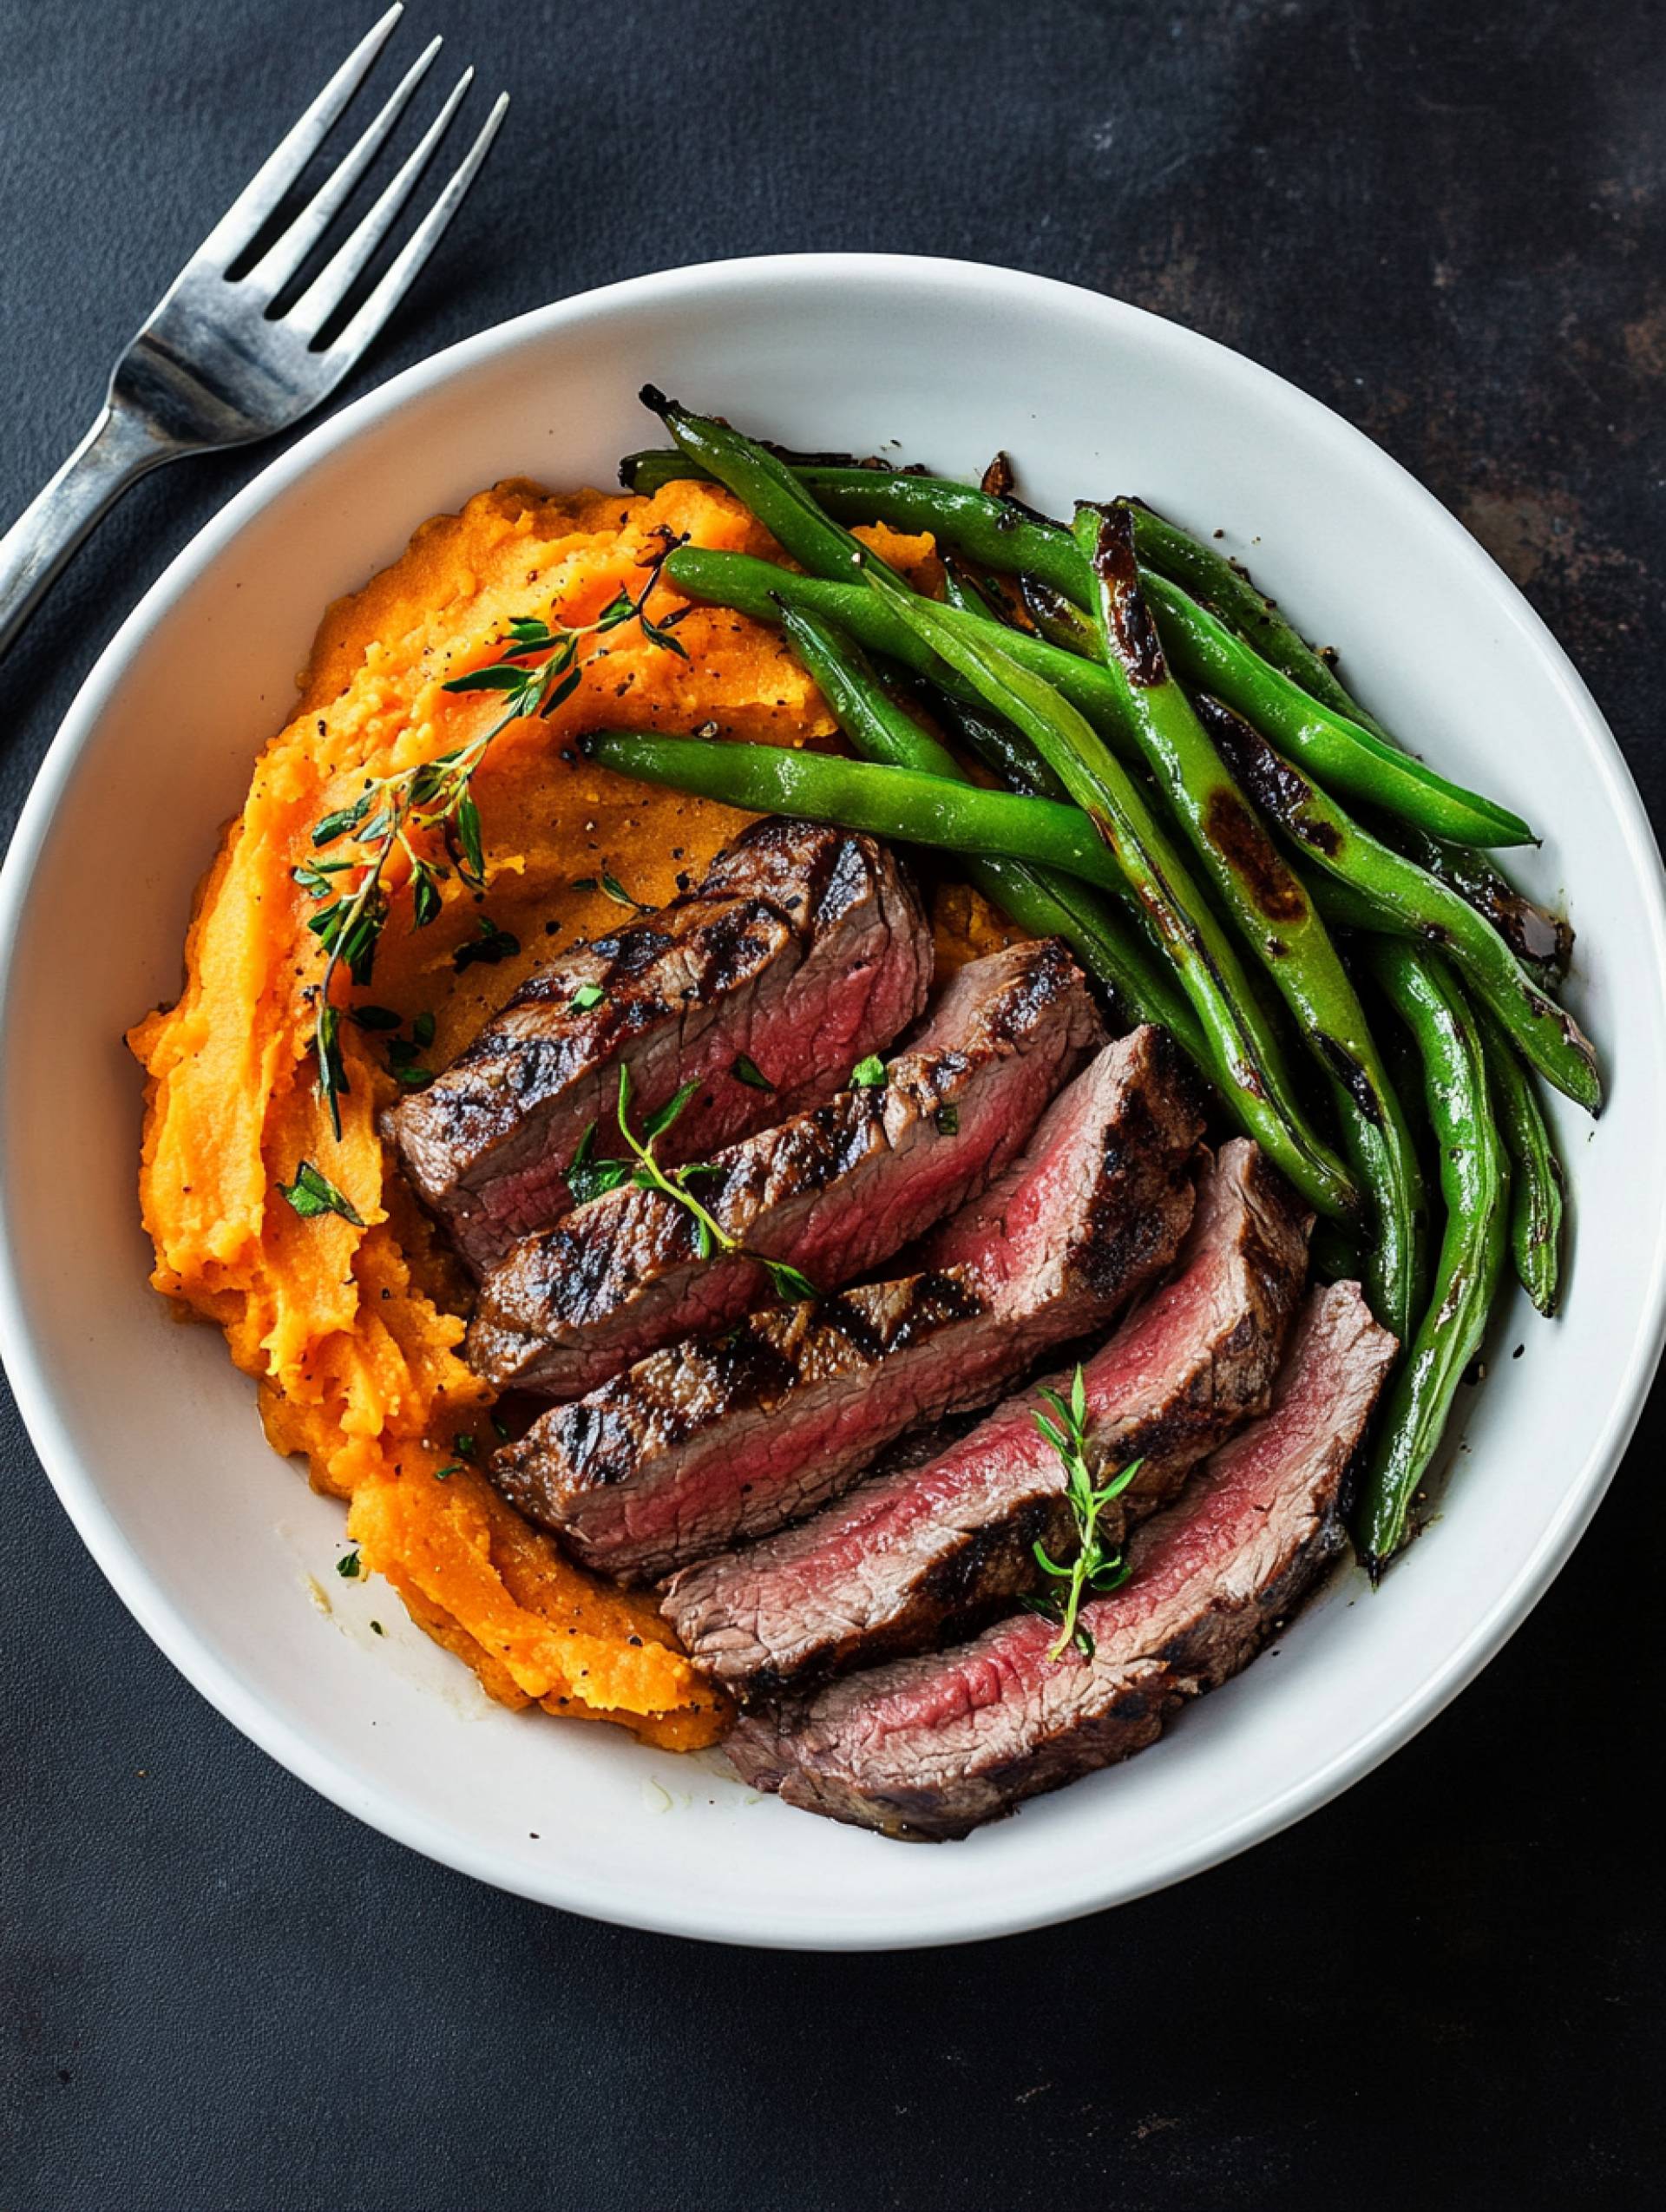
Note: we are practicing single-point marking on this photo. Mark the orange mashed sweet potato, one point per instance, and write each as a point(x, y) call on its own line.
point(353, 1334)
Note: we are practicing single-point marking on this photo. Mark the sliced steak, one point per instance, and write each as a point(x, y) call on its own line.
point(919, 1552)
point(708, 1442)
point(930, 1746)
point(834, 1192)
point(804, 948)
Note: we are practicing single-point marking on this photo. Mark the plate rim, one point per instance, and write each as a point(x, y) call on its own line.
point(78, 1489)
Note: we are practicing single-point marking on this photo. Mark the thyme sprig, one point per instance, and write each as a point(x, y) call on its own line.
point(405, 812)
point(588, 1178)
point(1094, 1572)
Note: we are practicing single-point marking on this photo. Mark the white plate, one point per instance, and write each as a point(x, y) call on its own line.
point(150, 1436)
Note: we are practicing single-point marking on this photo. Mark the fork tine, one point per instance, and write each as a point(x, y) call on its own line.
point(282, 261)
point(394, 283)
point(333, 282)
point(283, 166)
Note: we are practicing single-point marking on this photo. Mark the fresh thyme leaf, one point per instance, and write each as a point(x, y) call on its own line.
point(596, 1178)
point(374, 1017)
point(472, 864)
point(659, 633)
point(584, 883)
point(1094, 1569)
point(492, 945)
point(948, 1119)
point(500, 677)
point(662, 1118)
point(710, 1235)
point(500, 1428)
point(422, 1028)
point(311, 1194)
point(746, 1070)
point(620, 896)
point(436, 797)
point(411, 1076)
point(869, 1074)
point(562, 693)
point(347, 1567)
point(788, 1284)
point(337, 824)
point(314, 875)
point(332, 1068)
point(425, 901)
point(586, 996)
point(445, 1474)
point(464, 1444)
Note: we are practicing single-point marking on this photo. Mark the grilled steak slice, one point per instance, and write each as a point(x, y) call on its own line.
point(930, 1746)
point(710, 1442)
point(834, 1192)
point(920, 1552)
point(804, 948)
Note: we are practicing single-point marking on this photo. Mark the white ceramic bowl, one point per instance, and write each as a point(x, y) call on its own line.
point(152, 1439)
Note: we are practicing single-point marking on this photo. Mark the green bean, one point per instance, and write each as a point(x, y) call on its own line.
point(1210, 579)
point(1536, 1181)
point(1005, 752)
point(1000, 533)
point(1340, 752)
point(1474, 1181)
point(1275, 675)
point(874, 797)
point(1058, 618)
point(1541, 940)
point(769, 490)
point(1537, 937)
point(760, 589)
point(1375, 888)
point(1245, 1053)
point(1272, 911)
point(1334, 1252)
point(1039, 900)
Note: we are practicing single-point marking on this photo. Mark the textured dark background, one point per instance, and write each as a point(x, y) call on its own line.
point(1447, 220)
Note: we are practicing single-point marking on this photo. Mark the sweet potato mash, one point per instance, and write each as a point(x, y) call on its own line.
point(352, 1332)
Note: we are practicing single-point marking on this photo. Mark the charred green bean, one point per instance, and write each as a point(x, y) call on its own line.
point(1245, 1053)
point(1474, 1183)
point(1270, 907)
point(1536, 1199)
point(1042, 901)
point(1378, 889)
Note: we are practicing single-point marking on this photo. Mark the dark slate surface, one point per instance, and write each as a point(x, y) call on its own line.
point(1447, 222)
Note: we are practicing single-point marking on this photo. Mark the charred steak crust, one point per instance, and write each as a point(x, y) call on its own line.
point(650, 1461)
point(920, 1553)
point(834, 1192)
point(929, 1748)
point(1147, 1120)
point(714, 1471)
point(804, 948)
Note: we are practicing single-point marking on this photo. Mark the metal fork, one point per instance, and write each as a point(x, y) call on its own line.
point(216, 364)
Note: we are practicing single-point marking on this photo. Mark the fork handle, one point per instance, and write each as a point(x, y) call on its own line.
point(118, 449)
